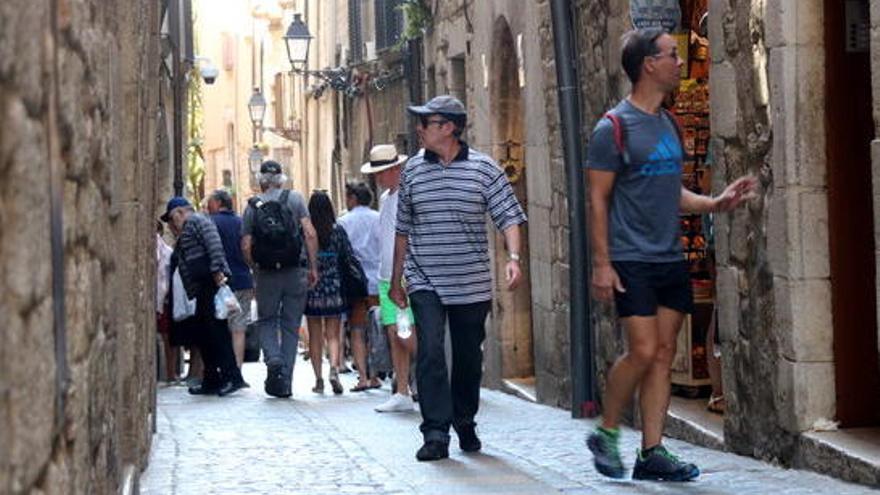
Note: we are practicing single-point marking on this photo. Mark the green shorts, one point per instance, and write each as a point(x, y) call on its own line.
point(388, 310)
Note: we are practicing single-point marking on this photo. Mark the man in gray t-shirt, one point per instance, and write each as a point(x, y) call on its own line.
point(280, 293)
point(635, 163)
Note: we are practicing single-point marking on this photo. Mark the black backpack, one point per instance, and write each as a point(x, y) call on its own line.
point(277, 240)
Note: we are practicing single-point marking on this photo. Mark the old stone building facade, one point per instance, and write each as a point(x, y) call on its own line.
point(84, 156)
point(795, 269)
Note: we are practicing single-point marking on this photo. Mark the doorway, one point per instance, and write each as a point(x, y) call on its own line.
point(514, 309)
point(849, 132)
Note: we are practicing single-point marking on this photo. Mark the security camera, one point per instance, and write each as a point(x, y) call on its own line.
point(209, 73)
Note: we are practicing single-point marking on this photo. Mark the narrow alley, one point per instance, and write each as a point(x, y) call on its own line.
point(327, 445)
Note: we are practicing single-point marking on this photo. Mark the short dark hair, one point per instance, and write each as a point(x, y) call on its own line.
point(638, 44)
point(360, 191)
point(222, 197)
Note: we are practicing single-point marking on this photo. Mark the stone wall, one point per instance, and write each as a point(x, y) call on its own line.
point(78, 188)
point(599, 26)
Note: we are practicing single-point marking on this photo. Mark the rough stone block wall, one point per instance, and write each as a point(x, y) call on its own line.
point(76, 151)
point(753, 245)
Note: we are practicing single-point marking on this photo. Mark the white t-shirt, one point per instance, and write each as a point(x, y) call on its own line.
point(385, 231)
point(360, 225)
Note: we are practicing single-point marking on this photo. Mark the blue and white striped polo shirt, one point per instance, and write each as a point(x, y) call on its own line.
point(442, 209)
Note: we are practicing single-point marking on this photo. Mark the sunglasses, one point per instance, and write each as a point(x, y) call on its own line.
point(426, 121)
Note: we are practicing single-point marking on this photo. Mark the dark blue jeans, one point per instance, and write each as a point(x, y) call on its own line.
point(441, 401)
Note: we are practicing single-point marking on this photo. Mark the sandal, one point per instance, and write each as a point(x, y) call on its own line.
point(334, 381)
point(360, 388)
point(319, 386)
point(716, 404)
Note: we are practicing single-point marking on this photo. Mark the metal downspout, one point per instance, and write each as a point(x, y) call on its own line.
point(583, 390)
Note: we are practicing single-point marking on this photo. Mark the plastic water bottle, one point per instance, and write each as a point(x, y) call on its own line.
point(404, 326)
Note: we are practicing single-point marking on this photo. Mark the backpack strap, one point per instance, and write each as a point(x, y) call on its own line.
point(284, 195)
point(675, 123)
point(255, 202)
point(619, 136)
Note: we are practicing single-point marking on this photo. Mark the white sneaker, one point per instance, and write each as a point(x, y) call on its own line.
point(397, 403)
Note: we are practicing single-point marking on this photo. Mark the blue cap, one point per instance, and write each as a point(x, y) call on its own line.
point(175, 202)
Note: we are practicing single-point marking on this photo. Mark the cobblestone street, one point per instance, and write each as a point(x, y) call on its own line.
point(330, 445)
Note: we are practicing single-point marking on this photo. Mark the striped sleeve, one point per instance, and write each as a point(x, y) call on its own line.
point(501, 202)
point(404, 206)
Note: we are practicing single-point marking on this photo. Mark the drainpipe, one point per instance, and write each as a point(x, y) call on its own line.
point(583, 380)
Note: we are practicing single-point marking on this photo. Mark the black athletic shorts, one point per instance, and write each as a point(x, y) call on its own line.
point(649, 285)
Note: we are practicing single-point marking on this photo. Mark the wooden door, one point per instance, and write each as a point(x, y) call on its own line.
point(850, 129)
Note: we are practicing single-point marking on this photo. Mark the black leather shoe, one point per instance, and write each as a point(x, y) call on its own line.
point(468, 440)
point(433, 450)
point(229, 388)
point(203, 390)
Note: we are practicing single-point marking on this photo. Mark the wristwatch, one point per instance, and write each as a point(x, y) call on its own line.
point(513, 257)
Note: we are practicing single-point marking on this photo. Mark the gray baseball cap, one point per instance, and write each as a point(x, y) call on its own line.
point(444, 104)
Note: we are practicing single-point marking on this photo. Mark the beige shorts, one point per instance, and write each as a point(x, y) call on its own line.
point(241, 320)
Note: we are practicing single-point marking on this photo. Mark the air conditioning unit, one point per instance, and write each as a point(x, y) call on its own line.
point(369, 50)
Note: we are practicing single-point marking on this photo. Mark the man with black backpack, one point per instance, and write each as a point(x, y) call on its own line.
point(275, 229)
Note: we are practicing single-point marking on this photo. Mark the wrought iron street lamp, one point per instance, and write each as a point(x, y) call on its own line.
point(255, 159)
point(297, 40)
point(257, 107)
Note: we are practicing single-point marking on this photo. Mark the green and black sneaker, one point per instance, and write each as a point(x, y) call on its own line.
point(606, 455)
point(658, 464)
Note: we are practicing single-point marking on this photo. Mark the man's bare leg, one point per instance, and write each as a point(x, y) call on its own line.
point(629, 370)
point(654, 388)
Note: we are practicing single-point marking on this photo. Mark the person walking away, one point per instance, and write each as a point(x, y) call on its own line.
point(203, 270)
point(228, 225)
point(279, 243)
point(326, 302)
point(360, 226)
point(634, 163)
point(385, 163)
point(445, 192)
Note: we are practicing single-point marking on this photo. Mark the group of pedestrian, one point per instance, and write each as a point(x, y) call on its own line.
point(425, 259)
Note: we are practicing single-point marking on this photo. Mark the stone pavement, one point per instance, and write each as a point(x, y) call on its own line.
point(318, 445)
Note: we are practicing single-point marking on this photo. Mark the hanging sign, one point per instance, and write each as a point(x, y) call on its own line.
point(656, 13)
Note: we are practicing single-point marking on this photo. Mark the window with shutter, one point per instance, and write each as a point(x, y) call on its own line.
point(389, 23)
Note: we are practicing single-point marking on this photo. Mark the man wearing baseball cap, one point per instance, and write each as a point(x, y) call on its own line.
point(201, 261)
point(441, 247)
point(275, 229)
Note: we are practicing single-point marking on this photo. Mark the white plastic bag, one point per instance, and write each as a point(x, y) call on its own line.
point(254, 316)
point(225, 303)
point(181, 307)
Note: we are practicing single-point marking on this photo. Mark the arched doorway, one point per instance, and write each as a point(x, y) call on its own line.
point(513, 310)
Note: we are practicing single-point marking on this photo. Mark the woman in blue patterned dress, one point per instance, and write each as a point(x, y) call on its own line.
point(326, 304)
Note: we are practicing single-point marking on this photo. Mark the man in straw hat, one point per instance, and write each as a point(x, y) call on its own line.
point(385, 164)
point(442, 249)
